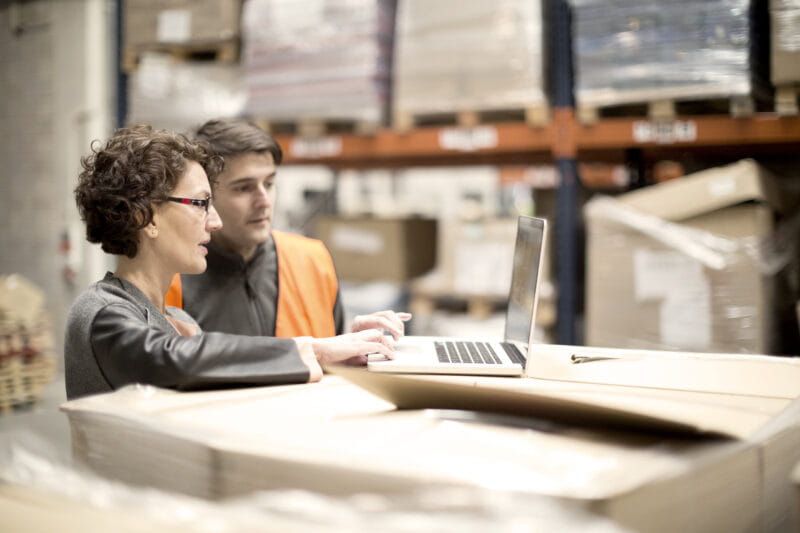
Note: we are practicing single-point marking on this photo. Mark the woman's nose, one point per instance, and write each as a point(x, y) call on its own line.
point(213, 222)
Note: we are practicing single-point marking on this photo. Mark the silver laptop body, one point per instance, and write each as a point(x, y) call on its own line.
point(431, 355)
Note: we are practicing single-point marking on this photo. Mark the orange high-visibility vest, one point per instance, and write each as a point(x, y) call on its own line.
point(307, 288)
point(174, 296)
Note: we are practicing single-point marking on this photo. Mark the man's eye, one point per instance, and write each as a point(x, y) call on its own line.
point(243, 188)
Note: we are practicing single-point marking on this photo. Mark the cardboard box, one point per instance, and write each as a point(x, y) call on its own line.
point(475, 259)
point(367, 249)
point(678, 266)
point(150, 22)
point(476, 256)
point(784, 20)
point(687, 460)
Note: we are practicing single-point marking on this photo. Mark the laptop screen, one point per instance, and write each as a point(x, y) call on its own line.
point(524, 280)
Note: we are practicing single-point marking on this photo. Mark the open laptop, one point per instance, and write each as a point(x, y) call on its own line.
point(427, 355)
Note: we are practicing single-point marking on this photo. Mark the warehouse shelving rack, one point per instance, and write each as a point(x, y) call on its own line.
point(563, 141)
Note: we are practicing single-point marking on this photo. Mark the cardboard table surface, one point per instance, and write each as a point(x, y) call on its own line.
point(578, 441)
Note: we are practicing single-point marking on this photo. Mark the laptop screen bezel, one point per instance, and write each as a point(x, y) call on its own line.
point(540, 225)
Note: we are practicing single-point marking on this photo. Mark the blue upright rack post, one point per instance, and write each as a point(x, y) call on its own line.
point(567, 227)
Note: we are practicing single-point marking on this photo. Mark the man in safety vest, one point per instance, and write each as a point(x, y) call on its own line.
point(260, 281)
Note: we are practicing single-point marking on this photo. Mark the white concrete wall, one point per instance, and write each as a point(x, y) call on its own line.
point(56, 94)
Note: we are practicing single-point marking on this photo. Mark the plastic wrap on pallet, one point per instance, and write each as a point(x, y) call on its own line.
point(317, 59)
point(785, 24)
point(39, 492)
point(180, 95)
point(458, 55)
point(27, 364)
point(660, 284)
point(786, 29)
point(635, 51)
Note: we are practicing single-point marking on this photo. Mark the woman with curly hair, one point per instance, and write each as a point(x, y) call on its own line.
point(145, 196)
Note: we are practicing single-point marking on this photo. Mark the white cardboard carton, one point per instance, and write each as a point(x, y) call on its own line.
point(714, 460)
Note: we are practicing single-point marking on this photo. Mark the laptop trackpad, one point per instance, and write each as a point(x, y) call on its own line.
point(407, 351)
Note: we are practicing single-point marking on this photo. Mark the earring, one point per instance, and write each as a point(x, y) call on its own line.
point(153, 232)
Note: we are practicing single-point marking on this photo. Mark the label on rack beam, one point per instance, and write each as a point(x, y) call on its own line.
point(174, 26)
point(468, 139)
point(315, 147)
point(664, 131)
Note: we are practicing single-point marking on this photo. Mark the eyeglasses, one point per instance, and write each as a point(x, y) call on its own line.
point(204, 203)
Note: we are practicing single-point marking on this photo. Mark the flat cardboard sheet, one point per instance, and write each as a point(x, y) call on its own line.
point(730, 374)
point(338, 438)
point(674, 443)
point(585, 404)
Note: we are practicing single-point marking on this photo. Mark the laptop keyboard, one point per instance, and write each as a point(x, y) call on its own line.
point(474, 352)
point(513, 353)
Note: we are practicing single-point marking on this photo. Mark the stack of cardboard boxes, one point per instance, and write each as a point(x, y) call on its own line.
point(195, 22)
point(695, 445)
point(690, 264)
point(182, 57)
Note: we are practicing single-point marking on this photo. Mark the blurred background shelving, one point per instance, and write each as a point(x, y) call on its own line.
point(466, 113)
point(659, 139)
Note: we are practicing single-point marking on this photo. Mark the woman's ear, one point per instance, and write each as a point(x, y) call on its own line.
point(151, 230)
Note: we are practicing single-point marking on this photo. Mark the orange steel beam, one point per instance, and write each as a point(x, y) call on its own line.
point(711, 130)
point(562, 137)
point(512, 137)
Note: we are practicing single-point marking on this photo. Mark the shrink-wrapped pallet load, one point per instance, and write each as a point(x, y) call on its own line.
point(643, 51)
point(453, 56)
point(181, 95)
point(324, 60)
point(27, 364)
point(785, 54)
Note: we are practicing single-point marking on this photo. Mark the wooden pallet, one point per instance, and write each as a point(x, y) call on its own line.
point(22, 380)
point(476, 306)
point(536, 116)
point(220, 51)
point(786, 100)
point(669, 109)
point(318, 127)
point(26, 364)
point(423, 302)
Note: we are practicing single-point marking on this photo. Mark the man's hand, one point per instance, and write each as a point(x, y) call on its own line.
point(382, 321)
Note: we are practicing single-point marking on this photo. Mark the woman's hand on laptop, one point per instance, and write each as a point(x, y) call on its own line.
point(388, 321)
point(353, 348)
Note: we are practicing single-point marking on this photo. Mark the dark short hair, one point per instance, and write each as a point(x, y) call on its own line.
point(234, 136)
point(122, 179)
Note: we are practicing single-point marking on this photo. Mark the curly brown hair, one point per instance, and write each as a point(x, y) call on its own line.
point(121, 180)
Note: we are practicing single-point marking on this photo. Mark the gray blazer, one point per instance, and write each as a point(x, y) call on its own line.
point(116, 336)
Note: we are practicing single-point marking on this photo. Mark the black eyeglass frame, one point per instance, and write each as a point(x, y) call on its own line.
point(204, 203)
